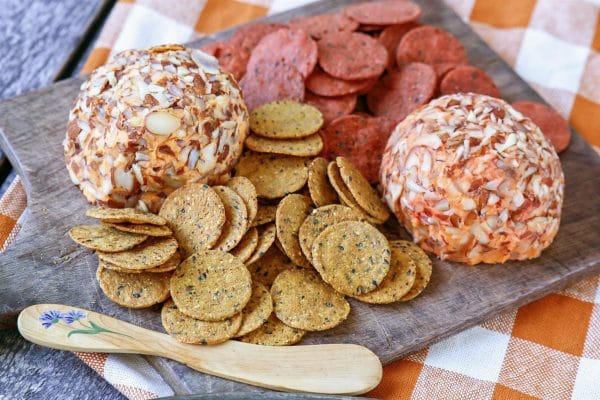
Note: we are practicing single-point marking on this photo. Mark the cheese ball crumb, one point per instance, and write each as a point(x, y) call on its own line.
point(150, 121)
point(473, 180)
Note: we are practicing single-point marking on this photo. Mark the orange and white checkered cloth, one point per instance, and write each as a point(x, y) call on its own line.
point(549, 349)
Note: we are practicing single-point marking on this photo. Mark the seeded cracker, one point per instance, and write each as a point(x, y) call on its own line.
point(104, 238)
point(170, 265)
point(265, 214)
point(285, 119)
point(274, 176)
point(245, 248)
point(291, 213)
point(302, 300)
point(120, 215)
point(424, 267)
point(353, 257)
point(321, 191)
point(144, 229)
point(362, 191)
point(257, 310)
point(211, 286)
point(333, 172)
point(133, 290)
point(398, 281)
point(242, 186)
point(196, 215)
point(319, 220)
point(266, 268)
point(266, 237)
point(194, 331)
point(236, 218)
point(305, 147)
point(152, 253)
point(274, 333)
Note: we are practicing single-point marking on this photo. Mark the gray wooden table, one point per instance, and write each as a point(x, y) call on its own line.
point(42, 41)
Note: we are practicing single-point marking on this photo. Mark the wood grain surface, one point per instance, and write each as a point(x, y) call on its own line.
point(45, 266)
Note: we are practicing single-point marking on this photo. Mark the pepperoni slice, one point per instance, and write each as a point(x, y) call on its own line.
point(430, 45)
point(232, 60)
point(323, 84)
point(383, 12)
point(268, 81)
point(332, 107)
point(351, 55)
point(465, 79)
point(402, 91)
point(318, 26)
point(390, 38)
point(248, 36)
point(290, 45)
point(552, 124)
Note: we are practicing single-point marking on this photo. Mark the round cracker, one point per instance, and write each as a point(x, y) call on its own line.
point(196, 215)
point(274, 333)
point(291, 213)
point(143, 229)
point(194, 331)
point(266, 237)
point(152, 253)
point(266, 268)
point(302, 300)
point(362, 191)
point(245, 248)
point(121, 215)
point(398, 281)
point(133, 290)
point(104, 238)
point(305, 147)
point(319, 220)
point(321, 191)
point(211, 286)
point(265, 214)
point(273, 176)
point(257, 311)
point(242, 186)
point(170, 265)
point(352, 256)
point(236, 218)
point(285, 119)
point(423, 264)
point(346, 198)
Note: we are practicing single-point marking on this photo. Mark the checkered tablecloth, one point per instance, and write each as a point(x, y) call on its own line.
point(548, 349)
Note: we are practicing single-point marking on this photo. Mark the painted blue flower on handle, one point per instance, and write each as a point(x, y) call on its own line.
point(50, 318)
point(72, 316)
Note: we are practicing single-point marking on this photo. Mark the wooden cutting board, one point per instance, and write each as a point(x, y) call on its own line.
point(45, 266)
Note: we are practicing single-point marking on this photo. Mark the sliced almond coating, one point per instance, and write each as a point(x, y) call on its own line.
point(266, 268)
point(305, 147)
point(302, 300)
point(120, 215)
point(245, 248)
point(352, 256)
point(266, 237)
point(144, 229)
point(423, 264)
point(104, 238)
point(274, 333)
point(285, 119)
point(236, 218)
point(242, 186)
point(170, 265)
point(321, 191)
point(333, 172)
point(365, 195)
point(152, 253)
point(196, 215)
point(265, 214)
point(291, 213)
point(319, 220)
point(194, 331)
point(398, 281)
point(257, 311)
point(273, 176)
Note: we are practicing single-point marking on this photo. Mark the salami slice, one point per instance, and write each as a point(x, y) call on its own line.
point(318, 26)
point(232, 60)
point(465, 79)
point(332, 107)
point(390, 38)
point(430, 45)
point(323, 84)
point(383, 12)
point(248, 36)
point(552, 124)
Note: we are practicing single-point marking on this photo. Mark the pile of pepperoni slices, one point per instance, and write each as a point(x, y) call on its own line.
point(365, 68)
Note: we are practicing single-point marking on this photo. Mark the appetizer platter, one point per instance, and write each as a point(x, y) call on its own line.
point(368, 174)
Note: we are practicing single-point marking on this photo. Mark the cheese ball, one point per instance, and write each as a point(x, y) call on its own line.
point(473, 180)
point(150, 121)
